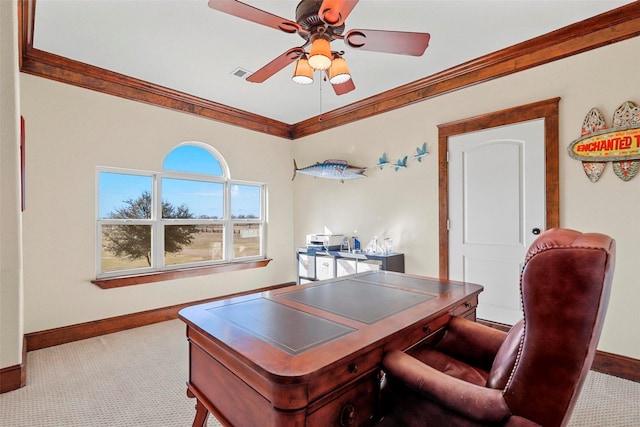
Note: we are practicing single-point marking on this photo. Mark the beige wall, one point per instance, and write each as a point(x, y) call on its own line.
point(403, 205)
point(10, 221)
point(71, 131)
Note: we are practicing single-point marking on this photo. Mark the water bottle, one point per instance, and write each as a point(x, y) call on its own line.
point(374, 245)
point(388, 246)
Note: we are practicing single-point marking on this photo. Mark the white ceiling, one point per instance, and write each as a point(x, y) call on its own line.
point(186, 46)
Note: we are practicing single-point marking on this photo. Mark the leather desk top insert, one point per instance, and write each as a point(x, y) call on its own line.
point(283, 352)
point(304, 332)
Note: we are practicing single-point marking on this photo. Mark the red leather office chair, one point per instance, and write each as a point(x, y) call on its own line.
point(479, 376)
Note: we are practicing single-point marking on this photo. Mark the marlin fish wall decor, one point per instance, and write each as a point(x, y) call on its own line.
point(331, 169)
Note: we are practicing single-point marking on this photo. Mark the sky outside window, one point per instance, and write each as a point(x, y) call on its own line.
point(245, 201)
point(204, 199)
point(189, 158)
point(116, 188)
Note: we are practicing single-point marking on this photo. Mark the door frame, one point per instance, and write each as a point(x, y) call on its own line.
point(549, 111)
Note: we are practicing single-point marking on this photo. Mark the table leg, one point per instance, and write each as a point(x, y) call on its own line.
point(202, 413)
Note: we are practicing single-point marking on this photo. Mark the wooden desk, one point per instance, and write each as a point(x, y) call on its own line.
point(310, 355)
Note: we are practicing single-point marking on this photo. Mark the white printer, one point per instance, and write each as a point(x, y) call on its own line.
point(329, 242)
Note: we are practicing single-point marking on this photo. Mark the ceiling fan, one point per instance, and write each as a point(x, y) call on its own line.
point(319, 22)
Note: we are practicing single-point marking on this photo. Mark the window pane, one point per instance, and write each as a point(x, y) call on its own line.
point(189, 158)
point(182, 198)
point(246, 240)
point(245, 201)
point(124, 196)
point(191, 243)
point(125, 247)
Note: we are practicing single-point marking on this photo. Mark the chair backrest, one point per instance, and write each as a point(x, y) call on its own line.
point(565, 286)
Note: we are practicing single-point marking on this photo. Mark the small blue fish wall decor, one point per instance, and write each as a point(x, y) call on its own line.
point(331, 169)
point(421, 152)
point(383, 161)
point(401, 163)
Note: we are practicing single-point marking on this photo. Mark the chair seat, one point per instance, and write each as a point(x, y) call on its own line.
point(405, 408)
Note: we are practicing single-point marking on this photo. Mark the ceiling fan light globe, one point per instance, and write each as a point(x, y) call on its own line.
point(339, 71)
point(303, 73)
point(319, 62)
point(320, 54)
point(340, 78)
point(302, 80)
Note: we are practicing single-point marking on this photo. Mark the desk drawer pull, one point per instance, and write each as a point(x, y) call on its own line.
point(353, 368)
point(467, 305)
point(426, 329)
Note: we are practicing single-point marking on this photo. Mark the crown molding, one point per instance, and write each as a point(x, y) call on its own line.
point(44, 64)
point(601, 30)
point(610, 27)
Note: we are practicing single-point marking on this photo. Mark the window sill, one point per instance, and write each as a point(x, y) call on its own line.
point(141, 279)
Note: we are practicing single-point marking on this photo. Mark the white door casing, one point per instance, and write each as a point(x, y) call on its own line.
point(496, 207)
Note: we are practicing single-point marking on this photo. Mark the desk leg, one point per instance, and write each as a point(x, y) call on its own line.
point(202, 413)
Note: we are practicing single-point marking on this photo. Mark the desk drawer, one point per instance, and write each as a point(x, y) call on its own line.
point(466, 308)
point(345, 267)
point(343, 373)
point(306, 266)
point(417, 333)
point(354, 405)
point(325, 267)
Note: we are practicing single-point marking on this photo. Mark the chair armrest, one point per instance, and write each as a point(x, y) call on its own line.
point(471, 342)
point(473, 401)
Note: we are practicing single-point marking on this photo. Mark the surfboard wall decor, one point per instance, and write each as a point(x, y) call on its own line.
point(619, 145)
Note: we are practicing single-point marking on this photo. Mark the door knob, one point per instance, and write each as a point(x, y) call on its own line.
point(536, 231)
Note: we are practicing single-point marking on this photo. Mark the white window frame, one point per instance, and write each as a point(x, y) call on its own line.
point(262, 221)
point(157, 223)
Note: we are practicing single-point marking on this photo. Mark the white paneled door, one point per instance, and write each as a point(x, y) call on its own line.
point(496, 209)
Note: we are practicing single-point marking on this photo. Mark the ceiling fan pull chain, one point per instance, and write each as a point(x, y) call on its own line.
point(321, 80)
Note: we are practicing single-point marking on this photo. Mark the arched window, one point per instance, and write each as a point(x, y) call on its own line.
point(190, 214)
point(195, 158)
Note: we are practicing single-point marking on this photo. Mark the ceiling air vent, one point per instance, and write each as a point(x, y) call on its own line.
point(241, 72)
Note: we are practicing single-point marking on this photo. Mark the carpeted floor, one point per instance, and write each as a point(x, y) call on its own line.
point(137, 378)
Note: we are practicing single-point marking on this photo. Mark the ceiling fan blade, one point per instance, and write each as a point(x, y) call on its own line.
point(335, 12)
point(250, 13)
point(400, 42)
point(276, 65)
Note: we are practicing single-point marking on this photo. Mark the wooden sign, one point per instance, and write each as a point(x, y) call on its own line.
point(619, 145)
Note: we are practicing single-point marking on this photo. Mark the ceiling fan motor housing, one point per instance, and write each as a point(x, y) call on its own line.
point(307, 17)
